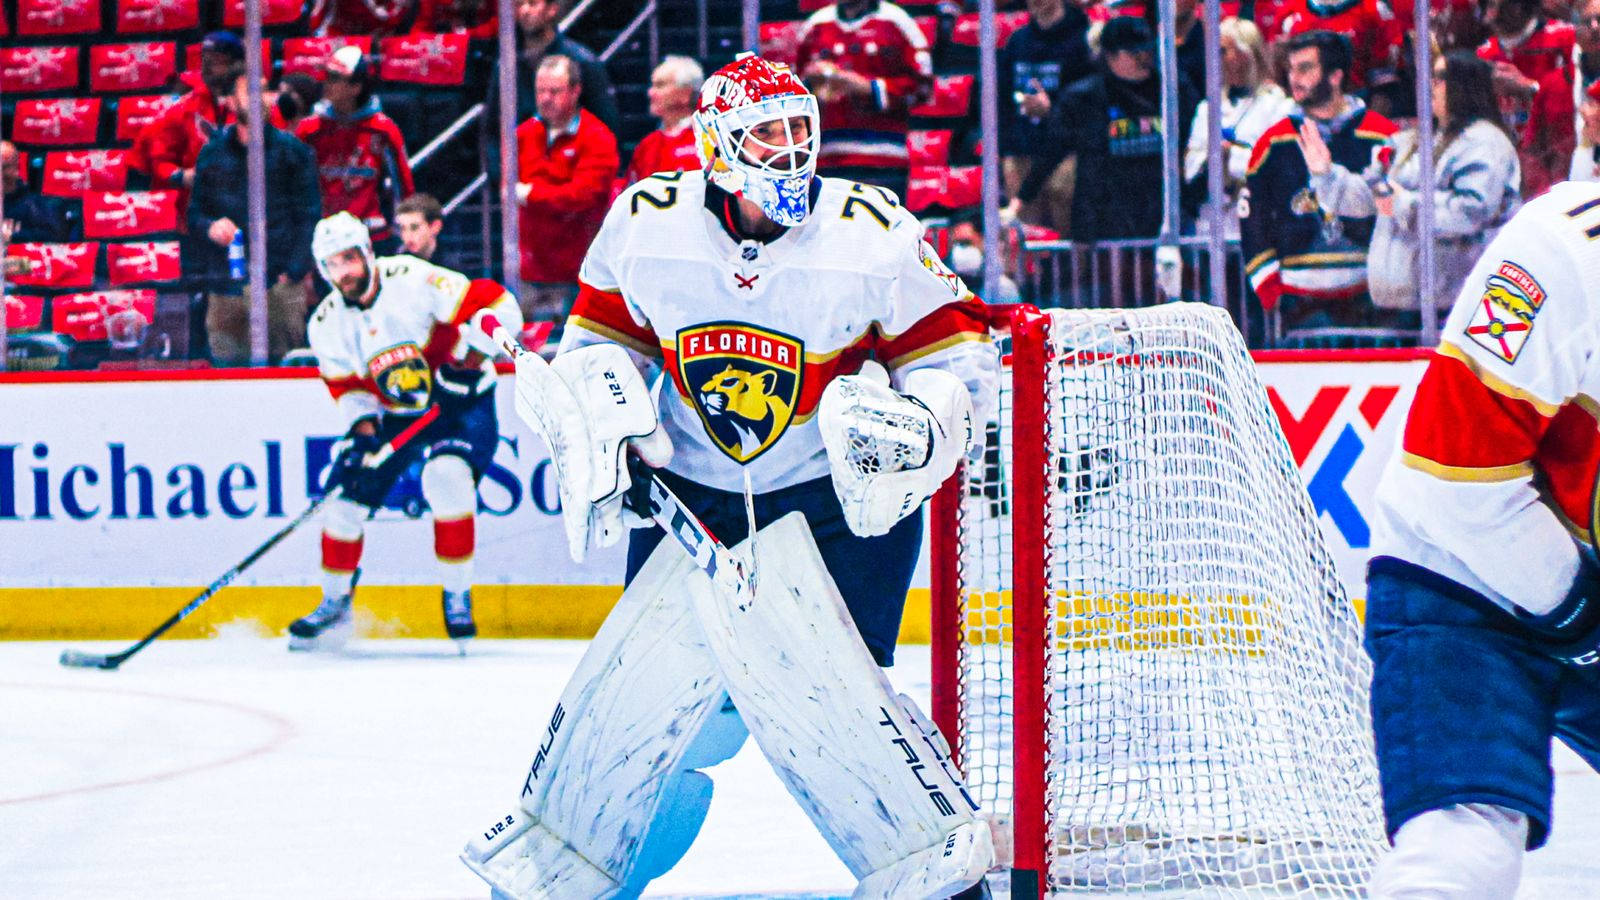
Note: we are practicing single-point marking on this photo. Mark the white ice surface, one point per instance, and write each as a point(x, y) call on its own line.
point(231, 768)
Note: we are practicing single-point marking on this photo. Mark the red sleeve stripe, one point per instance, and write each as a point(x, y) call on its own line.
point(951, 324)
point(482, 293)
point(1495, 383)
point(338, 387)
point(604, 313)
point(1462, 430)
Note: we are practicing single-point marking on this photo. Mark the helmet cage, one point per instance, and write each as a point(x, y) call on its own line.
point(779, 183)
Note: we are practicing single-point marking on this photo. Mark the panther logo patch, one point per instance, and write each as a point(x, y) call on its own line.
point(403, 377)
point(743, 381)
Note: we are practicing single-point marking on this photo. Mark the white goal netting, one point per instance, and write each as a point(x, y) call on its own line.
point(1202, 697)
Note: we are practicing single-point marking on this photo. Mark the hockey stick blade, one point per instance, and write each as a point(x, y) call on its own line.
point(76, 659)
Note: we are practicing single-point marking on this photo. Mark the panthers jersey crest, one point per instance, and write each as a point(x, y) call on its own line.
point(743, 381)
point(402, 376)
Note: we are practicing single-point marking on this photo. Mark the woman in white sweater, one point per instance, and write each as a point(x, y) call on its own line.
point(1476, 178)
point(1251, 103)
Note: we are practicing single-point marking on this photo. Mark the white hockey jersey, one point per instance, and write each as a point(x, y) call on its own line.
point(749, 333)
point(1493, 485)
point(383, 358)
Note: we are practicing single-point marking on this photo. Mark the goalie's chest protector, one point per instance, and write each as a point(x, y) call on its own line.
point(751, 332)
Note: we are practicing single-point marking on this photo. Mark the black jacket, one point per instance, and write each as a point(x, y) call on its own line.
point(294, 204)
point(1114, 127)
point(1054, 56)
point(42, 219)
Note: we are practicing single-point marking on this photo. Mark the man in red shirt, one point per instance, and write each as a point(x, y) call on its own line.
point(167, 148)
point(361, 157)
point(674, 92)
point(477, 19)
point(566, 161)
point(868, 64)
point(1533, 75)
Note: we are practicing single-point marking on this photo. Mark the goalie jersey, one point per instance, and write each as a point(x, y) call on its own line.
point(382, 359)
point(1493, 485)
point(748, 332)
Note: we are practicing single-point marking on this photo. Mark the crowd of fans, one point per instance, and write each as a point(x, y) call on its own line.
point(1318, 122)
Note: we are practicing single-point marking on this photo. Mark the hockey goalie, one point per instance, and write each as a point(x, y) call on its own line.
point(765, 297)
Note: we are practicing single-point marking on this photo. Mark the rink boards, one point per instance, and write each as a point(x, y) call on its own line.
point(122, 493)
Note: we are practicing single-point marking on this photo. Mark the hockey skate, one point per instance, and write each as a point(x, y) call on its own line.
point(326, 628)
point(458, 621)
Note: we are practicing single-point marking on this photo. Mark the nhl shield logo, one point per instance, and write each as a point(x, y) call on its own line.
point(743, 381)
point(403, 377)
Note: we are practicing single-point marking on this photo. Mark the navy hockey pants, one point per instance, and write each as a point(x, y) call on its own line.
point(872, 573)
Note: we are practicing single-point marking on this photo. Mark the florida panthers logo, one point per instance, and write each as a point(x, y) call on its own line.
point(743, 381)
point(402, 376)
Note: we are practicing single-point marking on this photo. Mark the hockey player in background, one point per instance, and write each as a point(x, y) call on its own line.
point(761, 291)
point(1483, 598)
point(391, 341)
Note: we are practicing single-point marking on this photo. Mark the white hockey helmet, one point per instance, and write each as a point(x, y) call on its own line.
point(337, 233)
point(739, 96)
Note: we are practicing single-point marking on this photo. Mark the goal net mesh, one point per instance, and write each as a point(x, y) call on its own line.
point(1204, 690)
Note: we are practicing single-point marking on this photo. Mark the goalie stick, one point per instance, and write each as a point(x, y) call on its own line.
point(81, 660)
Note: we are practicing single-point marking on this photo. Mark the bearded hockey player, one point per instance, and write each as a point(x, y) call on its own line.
point(1483, 601)
point(759, 291)
point(392, 339)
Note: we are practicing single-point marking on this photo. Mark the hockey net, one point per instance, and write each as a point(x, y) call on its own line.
point(1141, 649)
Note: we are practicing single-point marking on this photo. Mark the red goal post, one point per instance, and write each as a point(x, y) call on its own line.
point(1142, 656)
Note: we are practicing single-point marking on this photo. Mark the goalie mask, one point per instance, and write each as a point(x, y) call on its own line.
point(748, 130)
point(336, 234)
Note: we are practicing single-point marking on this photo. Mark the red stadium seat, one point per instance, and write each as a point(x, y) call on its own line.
point(24, 312)
point(134, 113)
point(151, 16)
point(71, 173)
point(56, 265)
point(780, 41)
point(965, 32)
point(146, 66)
point(438, 60)
point(951, 98)
point(810, 6)
point(273, 12)
point(308, 55)
point(143, 262)
point(55, 17)
point(58, 123)
point(929, 148)
point(85, 316)
point(121, 214)
point(34, 70)
point(950, 187)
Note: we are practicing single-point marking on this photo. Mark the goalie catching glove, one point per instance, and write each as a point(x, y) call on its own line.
point(889, 451)
point(591, 405)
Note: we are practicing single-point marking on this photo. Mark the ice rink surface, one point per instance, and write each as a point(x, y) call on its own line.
point(232, 768)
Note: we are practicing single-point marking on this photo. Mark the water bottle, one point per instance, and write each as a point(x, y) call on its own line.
point(236, 268)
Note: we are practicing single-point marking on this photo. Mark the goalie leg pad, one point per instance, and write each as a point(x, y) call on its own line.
point(826, 718)
point(625, 724)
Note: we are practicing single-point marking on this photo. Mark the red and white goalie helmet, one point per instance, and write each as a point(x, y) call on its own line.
point(744, 94)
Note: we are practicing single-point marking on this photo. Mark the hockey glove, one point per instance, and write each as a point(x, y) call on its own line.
point(1571, 631)
point(350, 472)
point(455, 386)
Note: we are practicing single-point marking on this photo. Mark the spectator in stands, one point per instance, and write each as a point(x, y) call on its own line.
point(1045, 55)
point(1111, 120)
point(536, 30)
point(29, 215)
point(674, 92)
point(1251, 103)
point(219, 208)
point(420, 218)
point(1190, 32)
point(361, 157)
point(167, 148)
point(479, 20)
point(1374, 36)
point(566, 161)
point(1532, 58)
point(868, 64)
point(1586, 74)
point(298, 94)
point(375, 18)
point(1310, 210)
point(1476, 181)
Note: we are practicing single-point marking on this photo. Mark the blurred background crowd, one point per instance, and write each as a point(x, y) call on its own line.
point(126, 125)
